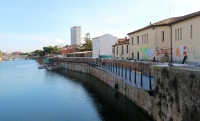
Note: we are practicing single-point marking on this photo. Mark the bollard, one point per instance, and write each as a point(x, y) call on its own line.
point(150, 88)
point(141, 79)
point(130, 74)
point(135, 76)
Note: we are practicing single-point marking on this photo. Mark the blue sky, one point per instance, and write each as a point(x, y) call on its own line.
point(27, 25)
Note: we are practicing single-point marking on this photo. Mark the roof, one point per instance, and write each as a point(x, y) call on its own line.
point(122, 41)
point(169, 21)
point(102, 36)
point(80, 52)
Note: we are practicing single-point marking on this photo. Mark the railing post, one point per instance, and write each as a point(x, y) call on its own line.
point(125, 71)
point(135, 76)
point(150, 80)
point(116, 68)
point(130, 74)
point(141, 79)
point(109, 66)
point(122, 70)
point(113, 67)
point(119, 70)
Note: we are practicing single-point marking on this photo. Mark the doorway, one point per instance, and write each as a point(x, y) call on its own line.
point(138, 55)
point(132, 56)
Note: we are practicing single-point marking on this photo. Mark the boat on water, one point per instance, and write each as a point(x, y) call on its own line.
point(40, 66)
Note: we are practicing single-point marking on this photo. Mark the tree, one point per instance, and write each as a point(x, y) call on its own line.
point(88, 43)
point(38, 53)
point(51, 50)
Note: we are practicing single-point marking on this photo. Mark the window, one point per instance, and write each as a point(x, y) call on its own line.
point(117, 50)
point(180, 33)
point(191, 31)
point(175, 34)
point(138, 40)
point(132, 40)
point(147, 38)
point(142, 39)
point(122, 50)
point(163, 36)
point(126, 48)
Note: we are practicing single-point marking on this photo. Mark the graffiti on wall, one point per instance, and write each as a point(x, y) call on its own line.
point(160, 51)
point(163, 54)
point(194, 52)
point(179, 51)
point(184, 50)
point(146, 52)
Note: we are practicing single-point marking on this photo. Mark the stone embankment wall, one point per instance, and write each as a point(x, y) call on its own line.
point(176, 94)
point(140, 97)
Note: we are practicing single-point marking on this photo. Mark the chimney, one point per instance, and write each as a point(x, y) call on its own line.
point(125, 38)
point(150, 23)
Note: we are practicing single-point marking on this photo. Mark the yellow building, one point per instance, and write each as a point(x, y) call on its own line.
point(121, 49)
point(167, 40)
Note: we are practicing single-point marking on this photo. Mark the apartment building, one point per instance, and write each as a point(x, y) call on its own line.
point(101, 46)
point(76, 35)
point(168, 40)
point(121, 49)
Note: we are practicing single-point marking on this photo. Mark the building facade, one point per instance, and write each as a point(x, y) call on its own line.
point(101, 46)
point(76, 35)
point(169, 40)
point(121, 49)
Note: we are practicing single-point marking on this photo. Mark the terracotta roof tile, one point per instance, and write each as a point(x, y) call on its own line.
point(169, 21)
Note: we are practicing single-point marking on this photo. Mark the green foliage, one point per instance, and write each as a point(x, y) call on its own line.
point(38, 53)
point(88, 43)
point(24, 54)
point(47, 50)
point(51, 50)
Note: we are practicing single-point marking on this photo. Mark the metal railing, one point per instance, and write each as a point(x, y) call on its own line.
point(131, 75)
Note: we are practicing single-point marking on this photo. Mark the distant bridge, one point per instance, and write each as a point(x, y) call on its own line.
point(9, 57)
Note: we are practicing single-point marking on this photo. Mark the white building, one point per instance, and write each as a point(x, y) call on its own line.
point(76, 35)
point(102, 46)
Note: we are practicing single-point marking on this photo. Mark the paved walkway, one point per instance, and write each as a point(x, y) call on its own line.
point(129, 77)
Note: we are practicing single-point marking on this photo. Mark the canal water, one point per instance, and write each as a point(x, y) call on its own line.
point(31, 94)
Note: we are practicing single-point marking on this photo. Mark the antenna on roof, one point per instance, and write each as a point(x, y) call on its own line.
point(170, 10)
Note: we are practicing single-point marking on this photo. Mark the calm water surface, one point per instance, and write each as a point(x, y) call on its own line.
point(31, 94)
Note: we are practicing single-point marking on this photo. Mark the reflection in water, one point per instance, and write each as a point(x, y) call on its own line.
point(31, 94)
point(110, 104)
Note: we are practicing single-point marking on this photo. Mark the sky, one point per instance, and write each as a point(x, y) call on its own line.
point(28, 25)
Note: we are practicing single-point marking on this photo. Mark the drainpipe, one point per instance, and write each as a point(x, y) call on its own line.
point(171, 41)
